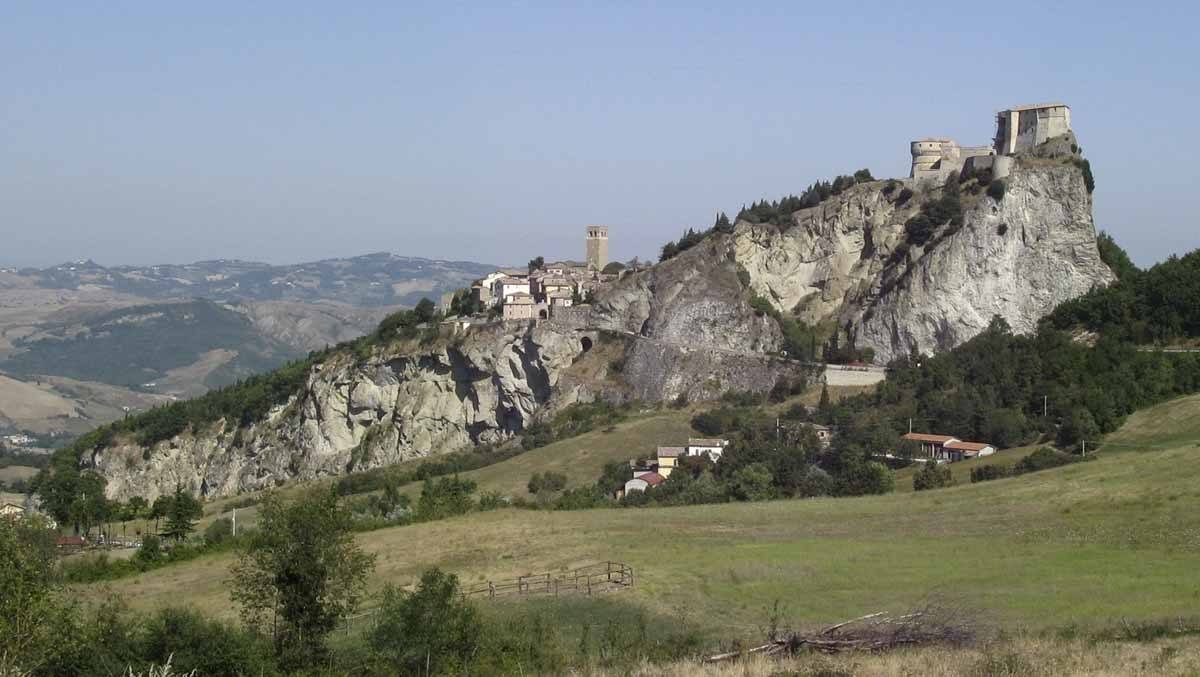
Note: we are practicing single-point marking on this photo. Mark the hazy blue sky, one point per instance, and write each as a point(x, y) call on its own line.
point(287, 131)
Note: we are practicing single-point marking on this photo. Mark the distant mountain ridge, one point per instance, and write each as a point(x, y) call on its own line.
point(368, 281)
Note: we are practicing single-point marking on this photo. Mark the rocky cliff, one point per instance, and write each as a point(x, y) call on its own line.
point(849, 262)
point(683, 328)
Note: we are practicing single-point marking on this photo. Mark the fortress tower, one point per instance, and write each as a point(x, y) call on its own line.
point(1024, 127)
point(597, 247)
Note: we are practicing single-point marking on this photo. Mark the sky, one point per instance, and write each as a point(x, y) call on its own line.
point(140, 133)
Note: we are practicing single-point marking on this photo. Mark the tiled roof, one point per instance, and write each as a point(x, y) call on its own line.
point(668, 452)
point(701, 442)
point(923, 437)
point(653, 479)
point(967, 446)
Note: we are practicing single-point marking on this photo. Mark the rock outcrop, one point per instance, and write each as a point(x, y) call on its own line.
point(682, 329)
point(846, 262)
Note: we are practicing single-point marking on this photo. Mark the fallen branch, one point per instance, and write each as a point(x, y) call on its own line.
point(874, 632)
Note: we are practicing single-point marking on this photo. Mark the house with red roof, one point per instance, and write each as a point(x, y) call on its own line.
point(947, 447)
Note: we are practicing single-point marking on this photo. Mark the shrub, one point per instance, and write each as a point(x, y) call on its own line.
point(752, 483)
point(219, 531)
point(150, 554)
point(743, 276)
point(988, 472)
point(933, 476)
point(429, 631)
point(1043, 459)
point(548, 481)
point(193, 642)
point(995, 190)
point(1088, 179)
point(904, 196)
point(862, 478)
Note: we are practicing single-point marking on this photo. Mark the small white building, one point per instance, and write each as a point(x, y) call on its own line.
point(506, 286)
point(712, 448)
point(643, 481)
point(12, 511)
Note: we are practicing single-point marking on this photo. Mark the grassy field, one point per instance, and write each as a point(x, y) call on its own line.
point(17, 472)
point(1117, 537)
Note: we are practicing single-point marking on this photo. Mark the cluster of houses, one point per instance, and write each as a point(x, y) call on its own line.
point(653, 472)
point(946, 448)
point(537, 293)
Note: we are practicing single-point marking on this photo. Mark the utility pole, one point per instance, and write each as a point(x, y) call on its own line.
point(235, 521)
point(1085, 447)
point(910, 425)
point(1045, 405)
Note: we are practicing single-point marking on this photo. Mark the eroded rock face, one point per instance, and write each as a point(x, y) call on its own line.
point(1018, 258)
point(360, 415)
point(683, 328)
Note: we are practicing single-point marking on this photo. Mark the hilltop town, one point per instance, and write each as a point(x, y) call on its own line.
point(542, 290)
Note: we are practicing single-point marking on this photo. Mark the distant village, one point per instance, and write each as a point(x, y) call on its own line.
point(543, 290)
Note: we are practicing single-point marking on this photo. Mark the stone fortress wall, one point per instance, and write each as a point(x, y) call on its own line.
point(1017, 129)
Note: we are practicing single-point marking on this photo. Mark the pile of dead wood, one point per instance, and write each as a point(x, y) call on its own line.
point(932, 624)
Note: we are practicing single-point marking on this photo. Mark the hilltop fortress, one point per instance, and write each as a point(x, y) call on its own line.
point(1017, 129)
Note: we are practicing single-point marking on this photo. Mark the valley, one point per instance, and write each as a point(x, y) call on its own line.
point(80, 342)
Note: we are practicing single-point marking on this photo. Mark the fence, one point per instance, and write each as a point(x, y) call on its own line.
point(588, 580)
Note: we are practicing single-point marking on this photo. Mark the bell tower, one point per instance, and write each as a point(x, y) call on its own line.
point(597, 247)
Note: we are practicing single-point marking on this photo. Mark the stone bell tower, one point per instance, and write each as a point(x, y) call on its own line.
point(597, 247)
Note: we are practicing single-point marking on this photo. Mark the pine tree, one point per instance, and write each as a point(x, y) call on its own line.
point(181, 518)
point(825, 407)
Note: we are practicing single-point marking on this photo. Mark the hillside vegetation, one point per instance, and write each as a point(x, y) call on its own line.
point(142, 344)
point(1111, 538)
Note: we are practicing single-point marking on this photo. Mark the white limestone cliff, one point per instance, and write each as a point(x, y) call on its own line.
point(1017, 257)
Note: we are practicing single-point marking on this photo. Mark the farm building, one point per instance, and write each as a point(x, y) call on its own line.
point(644, 481)
point(12, 511)
point(712, 448)
point(947, 447)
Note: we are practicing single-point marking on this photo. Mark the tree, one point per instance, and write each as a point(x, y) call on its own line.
point(219, 531)
point(160, 509)
point(537, 263)
point(431, 631)
point(722, 224)
point(28, 587)
point(137, 507)
point(1079, 426)
point(865, 477)
point(863, 175)
point(182, 514)
point(824, 407)
point(613, 268)
point(932, 475)
point(425, 311)
point(301, 571)
point(150, 553)
point(445, 497)
point(752, 483)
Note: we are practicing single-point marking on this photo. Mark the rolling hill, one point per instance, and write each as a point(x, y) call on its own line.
point(1112, 538)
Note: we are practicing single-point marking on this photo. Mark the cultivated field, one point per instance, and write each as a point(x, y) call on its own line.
point(1089, 544)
